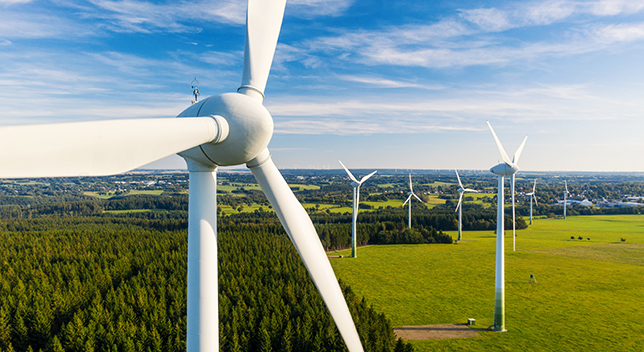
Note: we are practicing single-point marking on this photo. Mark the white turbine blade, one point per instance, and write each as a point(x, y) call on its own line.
point(566, 184)
point(460, 198)
point(367, 177)
point(535, 199)
point(470, 190)
point(459, 179)
point(97, 148)
point(517, 154)
point(534, 187)
point(504, 155)
point(414, 194)
point(349, 172)
point(263, 23)
point(411, 189)
point(408, 198)
point(300, 230)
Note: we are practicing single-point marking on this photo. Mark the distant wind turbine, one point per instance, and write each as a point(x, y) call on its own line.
point(565, 197)
point(411, 193)
point(459, 206)
point(533, 196)
point(504, 169)
point(356, 200)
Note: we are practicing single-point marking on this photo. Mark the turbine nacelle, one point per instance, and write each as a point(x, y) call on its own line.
point(504, 169)
point(245, 129)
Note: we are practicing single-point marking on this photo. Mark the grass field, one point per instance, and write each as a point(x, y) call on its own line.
point(589, 294)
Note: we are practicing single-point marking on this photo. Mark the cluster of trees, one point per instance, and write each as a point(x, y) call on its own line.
point(119, 284)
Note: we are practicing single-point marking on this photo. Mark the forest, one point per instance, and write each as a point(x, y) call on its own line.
point(119, 284)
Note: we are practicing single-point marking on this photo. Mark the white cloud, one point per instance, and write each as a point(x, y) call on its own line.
point(15, 24)
point(544, 13)
point(460, 110)
point(615, 7)
point(620, 33)
point(386, 83)
point(489, 20)
point(315, 8)
point(13, 2)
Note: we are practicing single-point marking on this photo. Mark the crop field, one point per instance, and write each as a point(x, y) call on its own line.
point(589, 294)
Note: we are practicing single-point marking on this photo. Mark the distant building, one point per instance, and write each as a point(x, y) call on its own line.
point(584, 202)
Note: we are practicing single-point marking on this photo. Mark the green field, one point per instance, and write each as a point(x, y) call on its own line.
point(589, 294)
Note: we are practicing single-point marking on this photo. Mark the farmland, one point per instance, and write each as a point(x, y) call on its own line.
point(588, 295)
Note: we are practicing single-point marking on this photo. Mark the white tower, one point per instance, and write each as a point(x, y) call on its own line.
point(502, 170)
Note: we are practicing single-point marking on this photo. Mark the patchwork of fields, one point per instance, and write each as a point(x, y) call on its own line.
point(589, 294)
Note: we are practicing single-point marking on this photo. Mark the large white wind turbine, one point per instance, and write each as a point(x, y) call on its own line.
point(356, 200)
point(459, 206)
point(411, 193)
point(228, 129)
point(504, 169)
point(565, 197)
point(533, 196)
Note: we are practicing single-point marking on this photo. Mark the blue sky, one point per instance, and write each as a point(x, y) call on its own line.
point(377, 84)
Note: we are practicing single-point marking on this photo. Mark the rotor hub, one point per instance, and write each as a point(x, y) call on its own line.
point(504, 169)
point(250, 128)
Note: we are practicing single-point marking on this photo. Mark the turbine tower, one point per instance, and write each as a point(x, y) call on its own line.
point(502, 170)
point(411, 193)
point(533, 196)
point(565, 197)
point(228, 129)
point(356, 200)
point(459, 206)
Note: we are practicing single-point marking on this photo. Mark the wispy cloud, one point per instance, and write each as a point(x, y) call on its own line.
point(378, 82)
point(481, 36)
point(460, 111)
point(315, 8)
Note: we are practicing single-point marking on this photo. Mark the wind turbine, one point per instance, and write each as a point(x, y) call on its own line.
point(459, 206)
point(356, 199)
point(565, 197)
point(504, 169)
point(228, 129)
point(411, 193)
point(533, 196)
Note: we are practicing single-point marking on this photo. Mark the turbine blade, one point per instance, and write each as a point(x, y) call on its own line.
point(263, 23)
point(97, 148)
point(349, 172)
point(408, 198)
point(517, 154)
point(470, 190)
point(411, 189)
point(566, 184)
point(300, 230)
point(535, 199)
point(459, 179)
point(367, 177)
point(534, 187)
point(460, 198)
point(414, 194)
point(504, 155)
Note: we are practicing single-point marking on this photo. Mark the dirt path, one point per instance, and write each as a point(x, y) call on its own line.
point(439, 331)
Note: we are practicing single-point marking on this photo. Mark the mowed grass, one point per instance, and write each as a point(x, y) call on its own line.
point(589, 295)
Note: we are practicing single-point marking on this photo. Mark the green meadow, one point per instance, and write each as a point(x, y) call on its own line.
point(589, 294)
